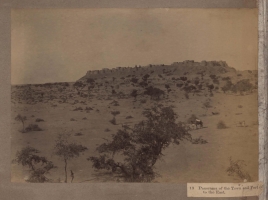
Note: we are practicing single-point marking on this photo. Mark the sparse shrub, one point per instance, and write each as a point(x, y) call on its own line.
point(107, 130)
point(78, 134)
point(129, 117)
point(134, 80)
point(207, 104)
point(88, 108)
point(221, 125)
point(32, 127)
point(114, 113)
point(84, 118)
point(226, 78)
point(199, 140)
point(113, 92)
point(78, 108)
point(153, 92)
point(240, 106)
point(114, 103)
point(196, 82)
point(179, 85)
point(72, 119)
point(244, 85)
point(134, 94)
point(39, 120)
point(228, 86)
point(186, 95)
point(113, 121)
point(236, 168)
point(215, 113)
point(212, 76)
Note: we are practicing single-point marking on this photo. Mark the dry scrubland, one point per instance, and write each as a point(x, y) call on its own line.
point(84, 111)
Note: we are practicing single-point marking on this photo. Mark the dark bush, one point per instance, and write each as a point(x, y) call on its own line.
point(39, 120)
point(77, 108)
point(221, 125)
point(32, 127)
point(78, 134)
point(199, 140)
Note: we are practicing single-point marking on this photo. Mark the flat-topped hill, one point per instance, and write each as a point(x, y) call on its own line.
point(176, 68)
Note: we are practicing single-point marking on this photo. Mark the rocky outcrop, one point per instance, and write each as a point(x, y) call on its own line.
point(179, 68)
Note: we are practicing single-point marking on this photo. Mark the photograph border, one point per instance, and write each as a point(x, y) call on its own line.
point(157, 191)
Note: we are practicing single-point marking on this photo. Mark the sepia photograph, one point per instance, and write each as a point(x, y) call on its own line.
point(134, 95)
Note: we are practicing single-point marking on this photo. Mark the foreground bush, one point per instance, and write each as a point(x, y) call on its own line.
point(236, 168)
point(141, 146)
point(38, 166)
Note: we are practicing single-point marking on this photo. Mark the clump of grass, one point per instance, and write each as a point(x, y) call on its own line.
point(78, 134)
point(78, 108)
point(89, 108)
point(114, 103)
point(32, 127)
point(129, 117)
point(39, 120)
point(207, 104)
point(240, 106)
point(72, 119)
point(236, 168)
point(107, 130)
point(199, 140)
point(84, 118)
point(221, 125)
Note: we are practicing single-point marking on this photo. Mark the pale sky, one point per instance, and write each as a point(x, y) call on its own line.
point(55, 45)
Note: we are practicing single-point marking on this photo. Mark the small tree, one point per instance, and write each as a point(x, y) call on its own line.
point(39, 166)
point(22, 119)
point(67, 150)
point(114, 113)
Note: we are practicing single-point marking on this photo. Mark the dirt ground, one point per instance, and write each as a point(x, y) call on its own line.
point(182, 163)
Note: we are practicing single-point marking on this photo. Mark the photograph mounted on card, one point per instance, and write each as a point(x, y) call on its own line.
point(134, 95)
